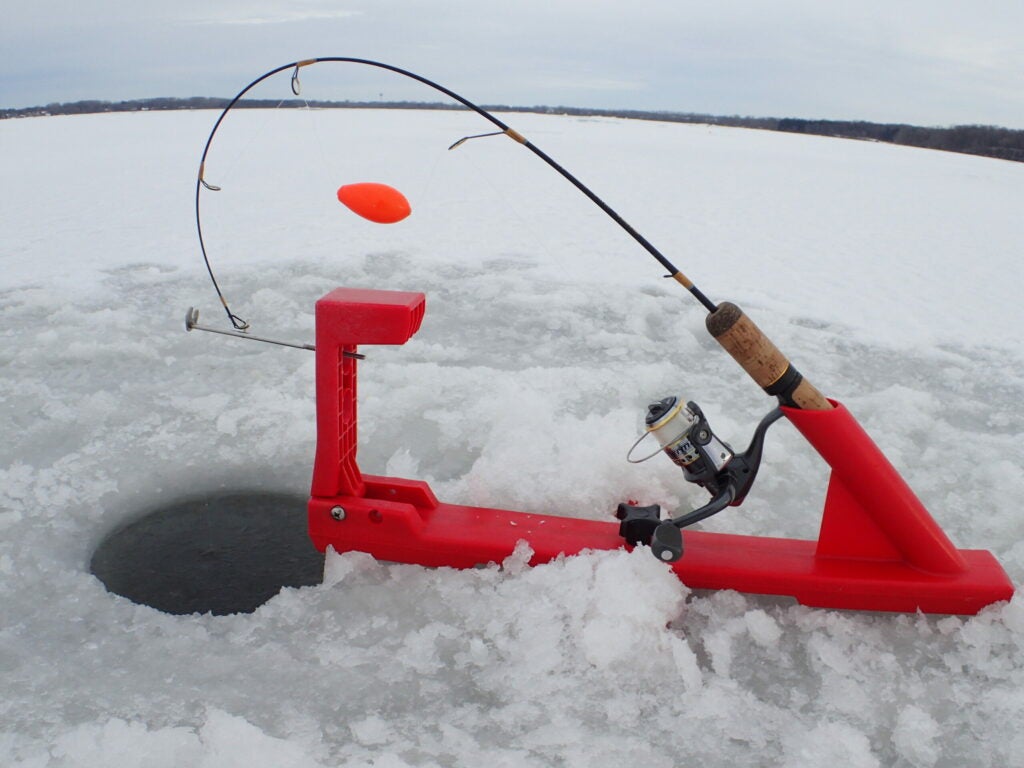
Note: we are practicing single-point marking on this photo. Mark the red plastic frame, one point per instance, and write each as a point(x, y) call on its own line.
point(878, 549)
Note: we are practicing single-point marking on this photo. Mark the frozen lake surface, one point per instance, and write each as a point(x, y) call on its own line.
point(890, 276)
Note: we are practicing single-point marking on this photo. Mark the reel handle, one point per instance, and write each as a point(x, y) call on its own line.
point(667, 542)
point(762, 360)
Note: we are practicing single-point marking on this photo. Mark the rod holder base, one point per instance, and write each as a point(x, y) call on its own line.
point(878, 548)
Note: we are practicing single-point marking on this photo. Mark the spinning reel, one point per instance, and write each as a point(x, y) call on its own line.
point(684, 435)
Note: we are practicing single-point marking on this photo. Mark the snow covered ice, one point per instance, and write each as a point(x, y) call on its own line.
point(889, 275)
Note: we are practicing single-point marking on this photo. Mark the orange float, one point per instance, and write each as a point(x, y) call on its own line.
point(376, 202)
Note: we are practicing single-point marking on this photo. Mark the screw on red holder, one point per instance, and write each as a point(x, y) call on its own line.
point(878, 548)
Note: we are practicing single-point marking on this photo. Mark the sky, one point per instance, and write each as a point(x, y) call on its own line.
point(925, 63)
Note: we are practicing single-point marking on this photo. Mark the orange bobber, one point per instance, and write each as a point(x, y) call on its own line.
point(376, 202)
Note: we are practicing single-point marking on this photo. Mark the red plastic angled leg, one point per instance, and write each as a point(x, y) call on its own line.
point(870, 511)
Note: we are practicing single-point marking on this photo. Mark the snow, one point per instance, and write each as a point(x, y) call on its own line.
point(890, 276)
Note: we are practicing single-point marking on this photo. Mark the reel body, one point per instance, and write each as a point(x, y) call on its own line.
point(686, 437)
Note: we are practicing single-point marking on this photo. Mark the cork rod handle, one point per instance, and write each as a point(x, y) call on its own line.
point(762, 360)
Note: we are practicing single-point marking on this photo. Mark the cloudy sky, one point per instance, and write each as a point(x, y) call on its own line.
point(930, 63)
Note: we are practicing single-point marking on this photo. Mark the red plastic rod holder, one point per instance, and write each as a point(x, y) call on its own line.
point(878, 548)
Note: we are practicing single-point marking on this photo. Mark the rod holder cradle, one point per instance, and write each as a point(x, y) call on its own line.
point(878, 547)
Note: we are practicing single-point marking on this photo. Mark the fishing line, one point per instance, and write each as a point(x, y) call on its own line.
point(256, 131)
point(312, 126)
point(539, 243)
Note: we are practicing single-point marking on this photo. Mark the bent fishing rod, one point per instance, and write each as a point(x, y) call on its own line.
point(726, 322)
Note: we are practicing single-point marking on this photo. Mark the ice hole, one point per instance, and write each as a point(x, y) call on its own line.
point(220, 553)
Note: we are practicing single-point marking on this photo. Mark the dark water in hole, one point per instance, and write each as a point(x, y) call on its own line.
point(220, 553)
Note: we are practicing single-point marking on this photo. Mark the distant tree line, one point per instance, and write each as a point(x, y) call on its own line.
point(986, 140)
point(971, 139)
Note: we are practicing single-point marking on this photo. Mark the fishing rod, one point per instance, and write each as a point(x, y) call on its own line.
point(681, 430)
point(726, 322)
point(296, 66)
